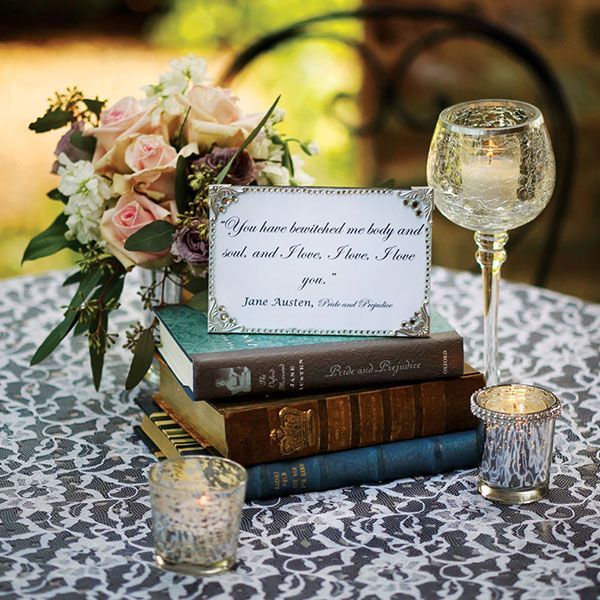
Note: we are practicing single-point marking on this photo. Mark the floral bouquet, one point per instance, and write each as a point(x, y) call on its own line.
point(134, 182)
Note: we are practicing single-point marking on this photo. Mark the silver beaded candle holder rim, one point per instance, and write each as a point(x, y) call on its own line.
point(155, 471)
point(552, 411)
point(536, 118)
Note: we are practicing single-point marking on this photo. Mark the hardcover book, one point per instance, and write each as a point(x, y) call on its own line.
point(258, 430)
point(226, 366)
point(384, 462)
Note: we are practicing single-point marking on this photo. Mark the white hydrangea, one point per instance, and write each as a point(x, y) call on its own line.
point(173, 83)
point(300, 176)
point(191, 67)
point(87, 193)
point(273, 174)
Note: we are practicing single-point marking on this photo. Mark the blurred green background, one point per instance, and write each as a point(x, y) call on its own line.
point(111, 48)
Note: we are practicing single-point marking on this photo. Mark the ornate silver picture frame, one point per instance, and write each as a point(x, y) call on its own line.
point(358, 258)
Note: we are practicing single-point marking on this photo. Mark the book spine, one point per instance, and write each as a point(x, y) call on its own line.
point(424, 456)
point(342, 420)
point(297, 369)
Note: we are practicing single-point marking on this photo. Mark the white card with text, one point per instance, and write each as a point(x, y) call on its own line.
point(326, 261)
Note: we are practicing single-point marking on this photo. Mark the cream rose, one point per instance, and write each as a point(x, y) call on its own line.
point(215, 118)
point(113, 122)
point(153, 163)
point(114, 139)
point(149, 152)
point(131, 213)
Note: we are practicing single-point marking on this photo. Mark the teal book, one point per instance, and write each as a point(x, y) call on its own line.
point(220, 366)
point(373, 464)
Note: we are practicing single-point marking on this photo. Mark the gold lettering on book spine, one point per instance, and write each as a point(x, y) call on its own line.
point(296, 431)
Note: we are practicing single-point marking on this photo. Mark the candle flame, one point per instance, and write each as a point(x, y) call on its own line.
point(490, 150)
point(203, 500)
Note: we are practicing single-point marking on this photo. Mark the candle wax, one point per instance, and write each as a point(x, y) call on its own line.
point(517, 406)
point(489, 179)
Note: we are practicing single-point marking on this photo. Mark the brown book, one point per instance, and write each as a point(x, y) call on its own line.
point(221, 366)
point(253, 431)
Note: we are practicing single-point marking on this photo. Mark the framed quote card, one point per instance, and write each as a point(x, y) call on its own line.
point(326, 261)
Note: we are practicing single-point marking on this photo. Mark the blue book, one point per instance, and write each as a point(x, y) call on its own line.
point(372, 464)
point(220, 366)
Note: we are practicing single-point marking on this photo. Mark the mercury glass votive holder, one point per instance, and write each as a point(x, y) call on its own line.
point(515, 436)
point(196, 510)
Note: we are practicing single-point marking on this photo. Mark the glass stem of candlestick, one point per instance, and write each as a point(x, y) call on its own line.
point(490, 255)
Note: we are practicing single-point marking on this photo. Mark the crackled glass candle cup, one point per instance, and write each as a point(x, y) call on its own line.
point(515, 436)
point(196, 510)
point(491, 167)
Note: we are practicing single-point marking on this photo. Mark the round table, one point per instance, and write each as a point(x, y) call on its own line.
point(75, 516)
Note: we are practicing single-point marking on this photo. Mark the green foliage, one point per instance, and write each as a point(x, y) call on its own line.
point(143, 354)
point(87, 143)
point(223, 172)
point(72, 315)
point(154, 237)
point(49, 241)
point(66, 107)
point(94, 105)
point(73, 278)
point(52, 119)
point(56, 195)
point(99, 328)
point(181, 187)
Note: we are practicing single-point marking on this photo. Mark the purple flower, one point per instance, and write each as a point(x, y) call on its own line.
point(189, 246)
point(64, 146)
point(242, 171)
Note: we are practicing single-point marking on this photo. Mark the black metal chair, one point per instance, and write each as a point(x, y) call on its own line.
point(389, 86)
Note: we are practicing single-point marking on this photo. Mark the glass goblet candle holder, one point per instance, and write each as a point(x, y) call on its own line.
point(196, 510)
point(491, 167)
point(515, 437)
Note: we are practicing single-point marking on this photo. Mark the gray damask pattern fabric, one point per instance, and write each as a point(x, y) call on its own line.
point(74, 512)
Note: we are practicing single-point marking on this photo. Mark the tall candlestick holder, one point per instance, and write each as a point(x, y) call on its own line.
point(491, 167)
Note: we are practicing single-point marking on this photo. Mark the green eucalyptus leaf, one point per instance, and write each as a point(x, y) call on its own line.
point(142, 358)
point(223, 172)
point(94, 105)
point(178, 143)
point(181, 185)
point(56, 195)
point(86, 143)
point(73, 278)
point(88, 283)
point(154, 237)
point(55, 337)
point(286, 159)
point(53, 119)
point(49, 241)
point(97, 352)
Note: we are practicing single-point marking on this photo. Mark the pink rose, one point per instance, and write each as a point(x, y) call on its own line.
point(131, 213)
point(153, 163)
point(114, 121)
point(215, 118)
point(150, 152)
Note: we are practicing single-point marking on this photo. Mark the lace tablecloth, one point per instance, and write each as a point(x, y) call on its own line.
point(74, 511)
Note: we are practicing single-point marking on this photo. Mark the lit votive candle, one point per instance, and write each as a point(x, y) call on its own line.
point(490, 177)
point(515, 436)
point(196, 510)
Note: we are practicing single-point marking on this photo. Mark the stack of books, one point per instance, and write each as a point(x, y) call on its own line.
point(308, 413)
